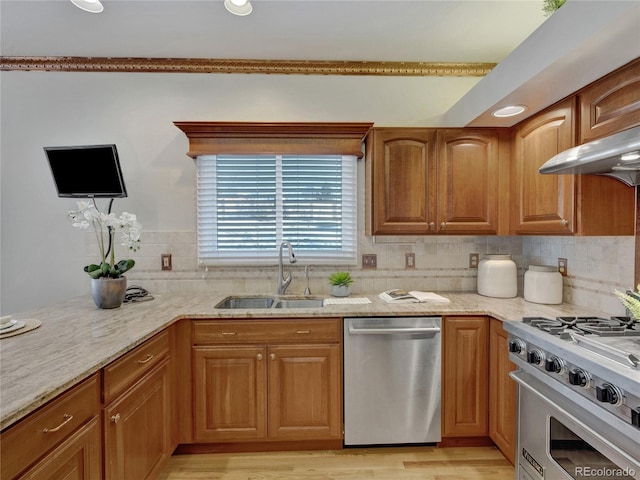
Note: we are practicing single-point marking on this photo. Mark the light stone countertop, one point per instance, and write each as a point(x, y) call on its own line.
point(76, 339)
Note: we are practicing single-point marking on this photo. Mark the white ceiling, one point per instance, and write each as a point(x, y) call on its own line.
point(374, 30)
point(540, 60)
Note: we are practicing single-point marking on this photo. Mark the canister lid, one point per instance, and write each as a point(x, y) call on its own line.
point(543, 268)
point(495, 256)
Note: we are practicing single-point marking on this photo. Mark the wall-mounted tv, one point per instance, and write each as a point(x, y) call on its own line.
point(87, 171)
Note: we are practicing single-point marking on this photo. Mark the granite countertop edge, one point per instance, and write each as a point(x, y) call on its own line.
point(76, 339)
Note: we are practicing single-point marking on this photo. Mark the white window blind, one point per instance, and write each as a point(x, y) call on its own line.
point(249, 204)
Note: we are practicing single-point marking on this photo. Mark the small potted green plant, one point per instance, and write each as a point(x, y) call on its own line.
point(340, 282)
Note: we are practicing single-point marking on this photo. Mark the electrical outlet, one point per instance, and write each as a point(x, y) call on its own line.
point(562, 266)
point(409, 261)
point(370, 261)
point(474, 258)
point(165, 259)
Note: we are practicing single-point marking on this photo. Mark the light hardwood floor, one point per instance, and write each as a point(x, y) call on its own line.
point(397, 463)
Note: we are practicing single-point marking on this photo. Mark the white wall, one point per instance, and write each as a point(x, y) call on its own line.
point(42, 256)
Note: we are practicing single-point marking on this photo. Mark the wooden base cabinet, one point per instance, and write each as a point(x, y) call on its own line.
point(60, 440)
point(464, 377)
point(258, 381)
point(138, 415)
point(502, 392)
point(229, 386)
point(137, 429)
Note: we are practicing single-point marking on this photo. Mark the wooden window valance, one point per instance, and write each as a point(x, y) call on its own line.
point(246, 138)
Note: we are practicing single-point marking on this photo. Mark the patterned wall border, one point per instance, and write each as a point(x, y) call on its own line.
point(287, 67)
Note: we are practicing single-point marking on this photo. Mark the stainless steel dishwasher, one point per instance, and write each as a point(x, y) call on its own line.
point(392, 380)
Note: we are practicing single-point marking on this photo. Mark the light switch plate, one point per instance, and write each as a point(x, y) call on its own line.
point(165, 259)
point(474, 258)
point(410, 261)
point(562, 266)
point(369, 261)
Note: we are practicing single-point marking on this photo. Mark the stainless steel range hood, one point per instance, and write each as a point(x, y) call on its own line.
point(616, 156)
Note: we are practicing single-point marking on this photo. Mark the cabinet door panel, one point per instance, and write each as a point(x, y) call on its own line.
point(465, 373)
point(468, 181)
point(304, 392)
point(610, 105)
point(137, 428)
point(229, 393)
point(78, 458)
point(545, 202)
point(404, 181)
point(502, 392)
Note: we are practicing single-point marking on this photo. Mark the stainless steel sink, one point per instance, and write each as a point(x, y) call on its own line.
point(255, 301)
point(265, 301)
point(299, 303)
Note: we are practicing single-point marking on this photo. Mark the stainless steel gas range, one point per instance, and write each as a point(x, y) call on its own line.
point(578, 397)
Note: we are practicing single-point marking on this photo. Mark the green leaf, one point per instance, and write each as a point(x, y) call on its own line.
point(125, 265)
point(340, 279)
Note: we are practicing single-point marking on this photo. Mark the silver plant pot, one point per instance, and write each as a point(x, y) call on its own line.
point(108, 292)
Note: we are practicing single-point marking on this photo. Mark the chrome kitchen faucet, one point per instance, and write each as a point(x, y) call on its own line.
point(283, 282)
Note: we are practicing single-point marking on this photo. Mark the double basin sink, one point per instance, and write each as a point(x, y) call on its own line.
point(264, 301)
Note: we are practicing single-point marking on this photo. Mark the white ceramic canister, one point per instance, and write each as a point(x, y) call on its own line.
point(543, 284)
point(497, 276)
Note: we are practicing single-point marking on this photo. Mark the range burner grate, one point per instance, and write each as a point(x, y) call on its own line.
point(602, 327)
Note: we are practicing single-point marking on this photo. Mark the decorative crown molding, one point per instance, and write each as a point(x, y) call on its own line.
point(209, 65)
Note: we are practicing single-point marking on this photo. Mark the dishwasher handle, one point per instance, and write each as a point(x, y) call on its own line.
point(392, 330)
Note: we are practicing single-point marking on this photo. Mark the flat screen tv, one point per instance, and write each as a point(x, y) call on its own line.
point(86, 171)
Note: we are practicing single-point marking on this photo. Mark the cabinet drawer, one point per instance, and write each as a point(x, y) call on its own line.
point(26, 442)
point(125, 371)
point(262, 331)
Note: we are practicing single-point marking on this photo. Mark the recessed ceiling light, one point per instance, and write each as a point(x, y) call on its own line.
point(92, 6)
point(238, 7)
point(509, 111)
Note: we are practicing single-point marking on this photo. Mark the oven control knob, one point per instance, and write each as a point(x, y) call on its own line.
point(517, 346)
point(554, 364)
point(608, 393)
point(579, 377)
point(535, 356)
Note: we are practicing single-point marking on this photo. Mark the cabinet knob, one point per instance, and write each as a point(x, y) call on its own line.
point(259, 356)
point(432, 225)
point(272, 356)
point(564, 222)
point(115, 418)
point(443, 224)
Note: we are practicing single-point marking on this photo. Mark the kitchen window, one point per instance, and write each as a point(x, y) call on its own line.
point(248, 204)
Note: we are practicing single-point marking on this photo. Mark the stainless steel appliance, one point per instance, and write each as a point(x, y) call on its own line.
point(578, 397)
point(392, 380)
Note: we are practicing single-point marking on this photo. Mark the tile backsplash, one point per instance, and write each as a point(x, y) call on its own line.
point(596, 266)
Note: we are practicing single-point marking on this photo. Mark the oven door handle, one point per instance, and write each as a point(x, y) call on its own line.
point(586, 428)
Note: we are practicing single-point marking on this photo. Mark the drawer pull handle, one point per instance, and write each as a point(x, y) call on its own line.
point(115, 418)
point(303, 332)
point(146, 359)
point(67, 419)
point(229, 333)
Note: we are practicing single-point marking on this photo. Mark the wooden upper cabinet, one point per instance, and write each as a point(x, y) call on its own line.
point(426, 181)
point(469, 184)
point(401, 164)
point(563, 204)
point(611, 104)
point(544, 203)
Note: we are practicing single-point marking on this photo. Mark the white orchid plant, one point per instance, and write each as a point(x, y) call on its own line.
point(105, 227)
